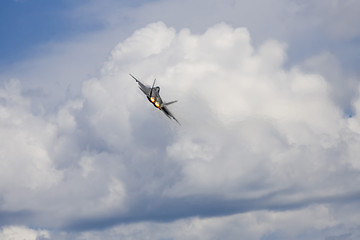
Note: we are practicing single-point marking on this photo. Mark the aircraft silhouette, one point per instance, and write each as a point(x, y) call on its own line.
point(153, 95)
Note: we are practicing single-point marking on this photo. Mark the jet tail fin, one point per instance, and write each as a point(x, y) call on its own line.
point(168, 103)
point(152, 87)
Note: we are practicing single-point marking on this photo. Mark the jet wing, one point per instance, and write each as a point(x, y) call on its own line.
point(145, 89)
point(168, 113)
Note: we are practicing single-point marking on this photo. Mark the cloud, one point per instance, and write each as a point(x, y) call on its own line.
point(254, 225)
point(339, 17)
point(309, 27)
point(20, 232)
point(259, 142)
point(25, 138)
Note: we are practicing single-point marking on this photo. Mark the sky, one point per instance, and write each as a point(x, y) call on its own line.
point(268, 101)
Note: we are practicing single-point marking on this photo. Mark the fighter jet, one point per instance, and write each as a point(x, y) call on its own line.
point(153, 95)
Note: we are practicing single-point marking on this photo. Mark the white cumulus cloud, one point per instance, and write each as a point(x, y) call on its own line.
point(23, 233)
point(262, 145)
